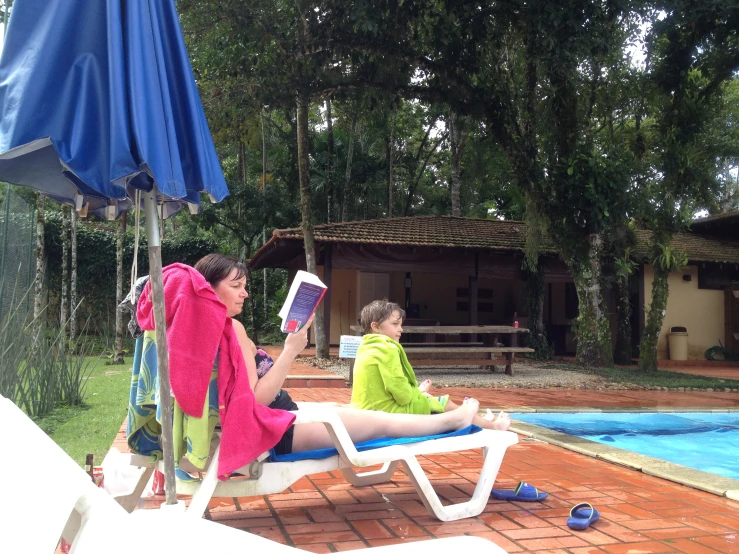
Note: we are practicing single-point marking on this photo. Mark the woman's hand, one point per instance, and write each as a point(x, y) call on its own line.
point(296, 342)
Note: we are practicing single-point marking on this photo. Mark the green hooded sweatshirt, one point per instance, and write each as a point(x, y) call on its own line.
point(384, 379)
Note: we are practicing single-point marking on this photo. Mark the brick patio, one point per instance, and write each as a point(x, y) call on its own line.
point(639, 513)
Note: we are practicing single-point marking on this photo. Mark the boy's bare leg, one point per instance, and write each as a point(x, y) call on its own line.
point(498, 422)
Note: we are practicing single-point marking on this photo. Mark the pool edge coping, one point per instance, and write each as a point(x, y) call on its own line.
point(694, 478)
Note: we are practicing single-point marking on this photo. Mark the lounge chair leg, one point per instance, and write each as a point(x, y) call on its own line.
point(382, 475)
point(509, 363)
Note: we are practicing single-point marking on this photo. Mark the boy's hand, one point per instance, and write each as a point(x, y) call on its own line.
point(425, 386)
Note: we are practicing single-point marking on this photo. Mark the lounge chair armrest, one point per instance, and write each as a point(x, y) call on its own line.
point(335, 427)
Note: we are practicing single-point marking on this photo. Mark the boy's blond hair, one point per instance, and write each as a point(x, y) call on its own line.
point(378, 311)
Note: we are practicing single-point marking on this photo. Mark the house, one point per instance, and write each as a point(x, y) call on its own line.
point(454, 270)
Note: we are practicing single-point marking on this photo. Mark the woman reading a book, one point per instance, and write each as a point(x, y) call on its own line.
point(227, 276)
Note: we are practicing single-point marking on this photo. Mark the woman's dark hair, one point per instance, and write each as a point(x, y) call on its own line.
point(217, 267)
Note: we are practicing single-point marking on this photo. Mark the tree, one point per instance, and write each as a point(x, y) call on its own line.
point(38, 293)
point(120, 327)
point(693, 53)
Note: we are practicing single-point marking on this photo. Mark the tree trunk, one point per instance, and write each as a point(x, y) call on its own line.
point(305, 211)
point(655, 318)
point(537, 337)
point(593, 331)
point(330, 155)
point(38, 292)
point(64, 311)
point(622, 350)
point(389, 155)
point(457, 136)
point(348, 173)
point(119, 325)
point(73, 278)
point(264, 230)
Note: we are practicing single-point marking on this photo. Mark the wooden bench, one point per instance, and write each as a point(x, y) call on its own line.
point(407, 345)
point(462, 354)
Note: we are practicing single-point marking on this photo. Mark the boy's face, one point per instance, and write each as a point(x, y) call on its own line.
point(392, 327)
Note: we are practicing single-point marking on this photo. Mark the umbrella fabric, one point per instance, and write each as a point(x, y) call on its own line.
point(98, 98)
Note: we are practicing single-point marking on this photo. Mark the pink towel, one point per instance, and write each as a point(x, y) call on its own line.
point(197, 327)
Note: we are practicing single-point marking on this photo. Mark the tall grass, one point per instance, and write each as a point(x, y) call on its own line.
point(39, 370)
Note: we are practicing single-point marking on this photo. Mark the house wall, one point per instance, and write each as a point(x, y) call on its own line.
point(701, 311)
point(434, 293)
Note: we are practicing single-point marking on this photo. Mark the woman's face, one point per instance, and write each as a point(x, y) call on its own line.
point(232, 292)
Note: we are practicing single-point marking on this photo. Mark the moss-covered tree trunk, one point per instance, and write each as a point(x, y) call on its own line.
point(537, 337)
point(593, 332)
point(655, 318)
point(38, 293)
point(119, 325)
point(305, 211)
point(622, 350)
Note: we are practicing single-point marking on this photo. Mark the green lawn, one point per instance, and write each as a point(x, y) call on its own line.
point(92, 427)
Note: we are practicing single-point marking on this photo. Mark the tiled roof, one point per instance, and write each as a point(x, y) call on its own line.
point(460, 232)
point(698, 247)
point(724, 218)
point(432, 230)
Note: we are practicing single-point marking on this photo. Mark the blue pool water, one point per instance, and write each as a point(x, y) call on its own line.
point(701, 440)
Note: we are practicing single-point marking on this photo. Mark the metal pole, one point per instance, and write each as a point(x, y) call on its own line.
point(160, 322)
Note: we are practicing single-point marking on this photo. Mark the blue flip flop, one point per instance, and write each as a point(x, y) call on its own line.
point(522, 493)
point(581, 516)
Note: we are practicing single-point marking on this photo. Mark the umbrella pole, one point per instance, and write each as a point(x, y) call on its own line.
point(160, 322)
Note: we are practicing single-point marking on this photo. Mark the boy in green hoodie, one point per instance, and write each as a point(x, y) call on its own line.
point(384, 380)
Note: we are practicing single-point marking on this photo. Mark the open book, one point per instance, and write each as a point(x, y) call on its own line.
point(305, 293)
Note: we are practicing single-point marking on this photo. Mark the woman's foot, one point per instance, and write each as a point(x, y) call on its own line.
point(465, 413)
point(500, 422)
point(425, 386)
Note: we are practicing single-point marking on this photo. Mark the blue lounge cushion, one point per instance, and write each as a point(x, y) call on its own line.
point(323, 453)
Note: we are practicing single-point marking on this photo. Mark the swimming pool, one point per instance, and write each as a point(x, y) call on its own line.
point(701, 440)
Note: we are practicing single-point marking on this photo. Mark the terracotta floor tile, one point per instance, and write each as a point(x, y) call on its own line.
point(349, 545)
point(690, 546)
point(550, 543)
point(645, 524)
point(328, 536)
point(522, 534)
point(649, 547)
point(300, 529)
point(371, 529)
point(639, 513)
point(721, 544)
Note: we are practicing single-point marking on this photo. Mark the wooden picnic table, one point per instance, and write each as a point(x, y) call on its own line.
point(463, 352)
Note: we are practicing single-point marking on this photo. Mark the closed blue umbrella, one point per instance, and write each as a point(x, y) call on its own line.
point(97, 100)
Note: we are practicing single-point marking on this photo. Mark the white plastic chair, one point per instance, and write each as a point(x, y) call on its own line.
point(274, 477)
point(46, 495)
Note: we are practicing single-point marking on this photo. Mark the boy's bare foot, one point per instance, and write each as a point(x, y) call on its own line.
point(501, 421)
point(425, 386)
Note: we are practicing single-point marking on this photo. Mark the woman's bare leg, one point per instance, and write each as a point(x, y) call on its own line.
point(499, 422)
point(364, 425)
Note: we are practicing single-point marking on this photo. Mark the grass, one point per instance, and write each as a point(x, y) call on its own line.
point(91, 428)
point(661, 378)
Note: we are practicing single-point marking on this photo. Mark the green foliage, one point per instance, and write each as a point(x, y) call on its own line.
point(91, 426)
point(38, 369)
point(96, 263)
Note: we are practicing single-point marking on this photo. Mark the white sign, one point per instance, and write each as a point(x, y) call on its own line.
point(348, 345)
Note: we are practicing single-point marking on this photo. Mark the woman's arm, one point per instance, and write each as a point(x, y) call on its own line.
point(266, 388)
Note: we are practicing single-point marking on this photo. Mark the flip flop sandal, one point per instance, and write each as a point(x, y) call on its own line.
point(522, 493)
point(581, 516)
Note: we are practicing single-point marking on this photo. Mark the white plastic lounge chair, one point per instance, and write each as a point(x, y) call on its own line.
point(267, 477)
point(47, 495)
